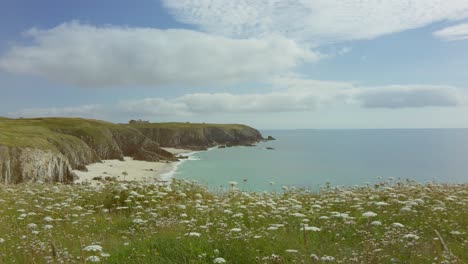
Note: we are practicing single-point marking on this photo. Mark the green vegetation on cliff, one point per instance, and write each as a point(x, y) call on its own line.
point(27, 145)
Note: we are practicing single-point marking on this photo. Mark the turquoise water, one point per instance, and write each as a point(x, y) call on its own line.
point(311, 158)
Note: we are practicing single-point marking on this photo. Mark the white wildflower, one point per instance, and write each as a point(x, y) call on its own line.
point(32, 226)
point(219, 260)
point(93, 259)
point(397, 225)
point(328, 258)
point(138, 221)
point(310, 228)
point(291, 250)
point(232, 183)
point(93, 248)
point(381, 203)
point(411, 236)
point(369, 214)
point(195, 234)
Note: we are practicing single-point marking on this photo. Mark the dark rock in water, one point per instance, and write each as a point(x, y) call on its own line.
point(270, 138)
point(182, 157)
point(229, 145)
point(270, 148)
point(99, 178)
point(222, 146)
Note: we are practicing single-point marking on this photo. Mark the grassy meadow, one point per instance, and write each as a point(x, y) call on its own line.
point(131, 222)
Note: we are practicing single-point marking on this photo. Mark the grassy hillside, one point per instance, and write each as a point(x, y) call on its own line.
point(39, 132)
point(178, 125)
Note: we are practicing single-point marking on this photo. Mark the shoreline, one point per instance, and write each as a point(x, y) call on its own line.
point(132, 170)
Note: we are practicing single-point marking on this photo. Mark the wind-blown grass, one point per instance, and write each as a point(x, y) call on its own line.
point(183, 223)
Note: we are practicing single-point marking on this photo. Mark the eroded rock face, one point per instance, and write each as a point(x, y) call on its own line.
point(203, 137)
point(26, 164)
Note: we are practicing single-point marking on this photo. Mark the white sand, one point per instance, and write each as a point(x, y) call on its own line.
point(135, 170)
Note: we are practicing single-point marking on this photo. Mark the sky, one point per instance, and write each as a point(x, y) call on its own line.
point(271, 64)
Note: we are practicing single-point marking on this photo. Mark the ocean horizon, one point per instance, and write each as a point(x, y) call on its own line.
point(311, 158)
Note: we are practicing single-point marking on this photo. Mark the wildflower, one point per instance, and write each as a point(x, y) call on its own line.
point(369, 214)
point(298, 215)
point(93, 259)
point(138, 221)
point(381, 203)
point(232, 183)
point(397, 225)
point(310, 228)
point(48, 219)
point(219, 260)
point(181, 206)
point(195, 234)
point(105, 255)
point(32, 226)
point(93, 248)
point(48, 227)
point(314, 257)
point(411, 236)
point(376, 223)
point(235, 230)
point(291, 250)
point(328, 258)
point(2, 240)
point(405, 209)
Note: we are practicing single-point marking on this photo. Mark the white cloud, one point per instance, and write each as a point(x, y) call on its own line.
point(315, 20)
point(290, 94)
point(86, 55)
point(457, 32)
point(406, 96)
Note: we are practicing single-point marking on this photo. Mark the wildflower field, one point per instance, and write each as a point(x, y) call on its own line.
point(131, 222)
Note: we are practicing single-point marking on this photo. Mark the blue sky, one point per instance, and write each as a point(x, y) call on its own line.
point(269, 64)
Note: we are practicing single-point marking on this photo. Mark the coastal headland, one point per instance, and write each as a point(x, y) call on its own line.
point(53, 149)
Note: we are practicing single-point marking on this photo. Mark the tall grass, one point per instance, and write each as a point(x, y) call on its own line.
point(183, 223)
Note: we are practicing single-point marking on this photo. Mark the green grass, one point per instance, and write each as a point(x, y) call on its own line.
point(178, 125)
point(152, 223)
point(39, 132)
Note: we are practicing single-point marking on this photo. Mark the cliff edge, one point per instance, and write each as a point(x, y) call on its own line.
point(48, 149)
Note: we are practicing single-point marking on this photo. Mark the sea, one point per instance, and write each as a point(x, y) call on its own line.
point(313, 159)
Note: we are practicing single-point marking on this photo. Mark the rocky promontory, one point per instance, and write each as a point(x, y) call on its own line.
point(49, 149)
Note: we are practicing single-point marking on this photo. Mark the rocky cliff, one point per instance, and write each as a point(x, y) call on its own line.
point(48, 149)
point(198, 136)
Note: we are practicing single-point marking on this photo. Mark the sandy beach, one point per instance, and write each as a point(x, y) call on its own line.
point(129, 169)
